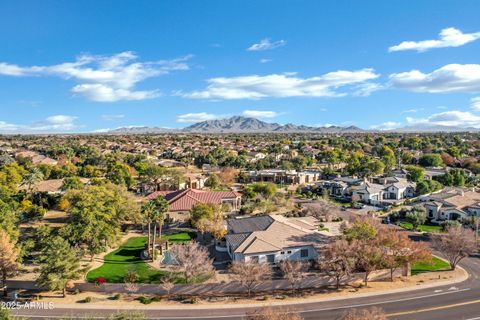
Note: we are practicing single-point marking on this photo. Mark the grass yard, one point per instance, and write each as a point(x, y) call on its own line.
point(180, 237)
point(127, 258)
point(436, 265)
point(430, 228)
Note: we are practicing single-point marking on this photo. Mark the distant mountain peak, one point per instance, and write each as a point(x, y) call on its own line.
point(238, 124)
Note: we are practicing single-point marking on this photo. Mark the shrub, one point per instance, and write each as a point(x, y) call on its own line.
point(87, 300)
point(117, 296)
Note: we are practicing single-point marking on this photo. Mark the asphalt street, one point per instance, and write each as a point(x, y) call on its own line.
point(452, 302)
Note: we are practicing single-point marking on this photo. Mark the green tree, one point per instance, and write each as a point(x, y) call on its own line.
point(31, 179)
point(59, 265)
point(161, 206)
point(213, 181)
point(431, 160)
point(415, 174)
point(120, 173)
point(9, 254)
point(362, 229)
point(96, 214)
point(201, 211)
point(417, 216)
point(70, 183)
point(266, 189)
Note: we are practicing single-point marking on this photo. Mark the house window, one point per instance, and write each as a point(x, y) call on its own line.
point(254, 258)
point(304, 253)
point(270, 258)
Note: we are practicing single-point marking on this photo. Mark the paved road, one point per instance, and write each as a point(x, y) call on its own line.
point(458, 302)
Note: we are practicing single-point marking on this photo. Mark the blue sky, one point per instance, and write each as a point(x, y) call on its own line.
point(84, 66)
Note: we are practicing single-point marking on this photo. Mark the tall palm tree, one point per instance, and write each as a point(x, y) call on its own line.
point(161, 206)
point(148, 212)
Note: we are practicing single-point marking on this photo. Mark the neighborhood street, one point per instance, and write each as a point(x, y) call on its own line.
point(451, 302)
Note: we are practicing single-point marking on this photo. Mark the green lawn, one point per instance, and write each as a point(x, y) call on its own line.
point(435, 265)
point(180, 237)
point(127, 258)
point(424, 227)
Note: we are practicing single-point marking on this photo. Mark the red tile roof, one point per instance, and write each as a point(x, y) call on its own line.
point(184, 200)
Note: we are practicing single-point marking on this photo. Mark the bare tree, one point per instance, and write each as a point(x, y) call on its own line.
point(130, 281)
point(294, 272)
point(337, 260)
point(364, 314)
point(456, 244)
point(268, 313)
point(322, 210)
point(8, 259)
point(250, 274)
point(167, 283)
point(192, 259)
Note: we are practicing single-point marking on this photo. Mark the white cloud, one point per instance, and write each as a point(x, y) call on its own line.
point(282, 85)
point(55, 123)
point(103, 93)
point(412, 110)
point(104, 130)
point(197, 117)
point(452, 118)
point(112, 117)
point(449, 37)
point(389, 125)
point(265, 60)
point(260, 114)
point(104, 78)
point(266, 44)
point(475, 104)
point(449, 78)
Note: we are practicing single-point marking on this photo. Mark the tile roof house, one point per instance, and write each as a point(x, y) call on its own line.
point(388, 189)
point(51, 186)
point(452, 204)
point(182, 201)
point(36, 158)
point(275, 238)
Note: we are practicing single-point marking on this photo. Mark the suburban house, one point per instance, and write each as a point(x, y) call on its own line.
point(452, 204)
point(384, 190)
point(36, 158)
point(51, 186)
point(275, 238)
point(180, 202)
point(192, 180)
point(255, 156)
point(283, 176)
point(338, 186)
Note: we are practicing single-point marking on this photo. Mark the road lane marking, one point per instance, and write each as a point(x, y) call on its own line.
point(434, 308)
point(253, 308)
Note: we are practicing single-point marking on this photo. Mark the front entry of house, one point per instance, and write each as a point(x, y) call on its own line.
point(270, 258)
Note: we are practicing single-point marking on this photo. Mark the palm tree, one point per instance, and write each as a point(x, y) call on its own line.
point(161, 206)
point(148, 212)
point(31, 179)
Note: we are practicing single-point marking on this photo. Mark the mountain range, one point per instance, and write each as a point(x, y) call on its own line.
point(239, 124)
